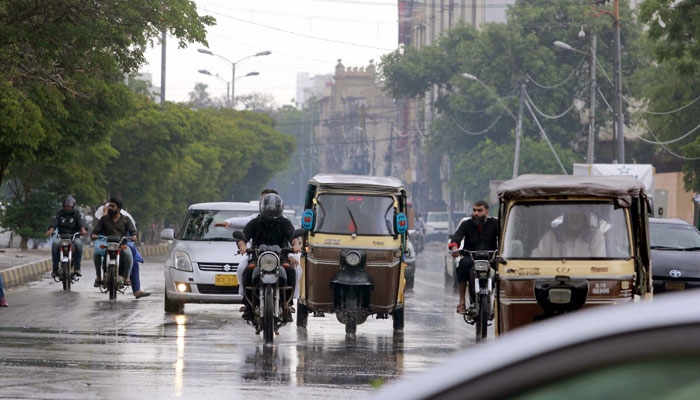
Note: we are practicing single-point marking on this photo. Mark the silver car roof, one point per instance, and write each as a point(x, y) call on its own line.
point(225, 206)
point(674, 221)
point(537, 339)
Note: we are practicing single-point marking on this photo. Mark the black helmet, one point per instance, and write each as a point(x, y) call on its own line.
point(271, 207)
point(69, 201)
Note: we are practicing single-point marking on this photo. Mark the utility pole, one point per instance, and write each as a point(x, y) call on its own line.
point(162, 68)
point(519, 130)
point(590, 158)
point(618, 89)
point(233, 83)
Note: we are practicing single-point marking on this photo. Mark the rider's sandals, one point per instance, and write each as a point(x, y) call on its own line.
point(461, 308)
point(292, 309)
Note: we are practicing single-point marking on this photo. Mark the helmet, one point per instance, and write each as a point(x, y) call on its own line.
point(69, 201)
point(271, 207)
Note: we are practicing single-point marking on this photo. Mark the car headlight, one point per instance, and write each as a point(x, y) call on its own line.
point(268, 262)
point(481, 265)
point(353, 258)
point(182, 261)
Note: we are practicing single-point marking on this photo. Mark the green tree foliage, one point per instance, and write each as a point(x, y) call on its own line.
point(502, 55)
point(61, 66)
point(673, 82)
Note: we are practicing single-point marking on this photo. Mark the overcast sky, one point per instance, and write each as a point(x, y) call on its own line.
point(369, 28)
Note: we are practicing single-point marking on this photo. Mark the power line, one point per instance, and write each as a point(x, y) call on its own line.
point(300, 34)
point(459, 6)
point(476, 133)
point(545, 137)
point(669, 141)
point(672, 111)
point(545, 115)
point(560, 83)
point(682, 157)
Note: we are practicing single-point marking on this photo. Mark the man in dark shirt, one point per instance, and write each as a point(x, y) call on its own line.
point(115, 224)
point(270, 227)
point(479, 233)
point(67, 221)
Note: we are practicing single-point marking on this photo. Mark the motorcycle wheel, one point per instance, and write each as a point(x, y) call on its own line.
point(302, 315)
point(65, 279)
point(482, 324)
point(268, 316)
point(351, 300)
point(397, 317)
point(112, 283)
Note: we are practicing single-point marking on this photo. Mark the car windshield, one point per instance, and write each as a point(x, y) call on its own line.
point(200, 224)
point(569, 230)
point(437, 217)
point(347, 214)
point(673, 236)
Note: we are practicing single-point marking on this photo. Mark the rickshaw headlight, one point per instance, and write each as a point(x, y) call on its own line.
point(353, 258)
point(481, 265)
point(268, 262)
point(560, 296)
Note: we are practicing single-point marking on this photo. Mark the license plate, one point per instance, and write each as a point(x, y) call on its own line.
point(225, 280)
point(674, 285)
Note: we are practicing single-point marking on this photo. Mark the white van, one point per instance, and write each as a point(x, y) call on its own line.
point(437, 225)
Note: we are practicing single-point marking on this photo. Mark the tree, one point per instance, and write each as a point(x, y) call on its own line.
point(199, 97)
point(261, 102)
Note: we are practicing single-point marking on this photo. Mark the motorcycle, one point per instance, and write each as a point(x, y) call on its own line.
point(66, 271)
point(110, 249)
point(484, 290)
point(269, 299)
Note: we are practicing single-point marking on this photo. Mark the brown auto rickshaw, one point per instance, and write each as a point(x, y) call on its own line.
point(570, 242)
point(353, 249)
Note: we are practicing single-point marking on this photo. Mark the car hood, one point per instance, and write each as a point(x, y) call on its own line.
point(213, 252)
point(687, 262)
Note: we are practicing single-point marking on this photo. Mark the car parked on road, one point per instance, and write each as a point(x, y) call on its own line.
point(203, 261)
point(675, 254)
point(643, 350)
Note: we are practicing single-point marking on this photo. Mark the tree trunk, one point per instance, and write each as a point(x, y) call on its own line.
point(23, 243)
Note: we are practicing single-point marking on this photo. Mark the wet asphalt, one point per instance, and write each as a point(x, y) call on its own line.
point(79, 345)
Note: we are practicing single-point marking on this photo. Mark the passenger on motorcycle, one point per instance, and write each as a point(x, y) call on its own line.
point(270, 227)
point(115, 224)
point(480, 232)
point(67, 221)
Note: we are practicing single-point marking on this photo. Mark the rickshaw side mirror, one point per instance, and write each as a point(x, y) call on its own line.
point(238, 235)
point(400, 223)
point(308, 220)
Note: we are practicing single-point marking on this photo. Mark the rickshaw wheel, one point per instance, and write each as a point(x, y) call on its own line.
point(397, 316)
point(302, 315)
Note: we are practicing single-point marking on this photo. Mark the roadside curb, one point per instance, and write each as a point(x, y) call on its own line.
point(29, 272)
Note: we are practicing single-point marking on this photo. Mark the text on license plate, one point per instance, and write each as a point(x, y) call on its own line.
point(675, 285)
point(225, 280)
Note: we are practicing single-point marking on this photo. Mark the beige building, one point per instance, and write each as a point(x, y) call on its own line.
point(679, 203)
point(357, 132)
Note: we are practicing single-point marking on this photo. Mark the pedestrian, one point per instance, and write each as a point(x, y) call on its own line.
point(3, 302)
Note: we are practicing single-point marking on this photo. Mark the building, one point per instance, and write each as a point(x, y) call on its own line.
point(311, 86)
point(357, 131)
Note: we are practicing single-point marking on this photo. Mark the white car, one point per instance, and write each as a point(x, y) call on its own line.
point(437, 225)
point(203, 262)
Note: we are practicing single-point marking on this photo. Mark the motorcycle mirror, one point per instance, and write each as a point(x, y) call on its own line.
point(299, 232)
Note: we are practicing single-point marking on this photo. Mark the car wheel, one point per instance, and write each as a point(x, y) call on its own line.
point(174, 307)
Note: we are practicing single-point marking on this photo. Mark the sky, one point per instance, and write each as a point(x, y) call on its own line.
point(302, 35)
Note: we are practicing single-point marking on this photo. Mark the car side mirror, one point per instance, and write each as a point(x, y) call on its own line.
point(167, 234)
point(238, 235)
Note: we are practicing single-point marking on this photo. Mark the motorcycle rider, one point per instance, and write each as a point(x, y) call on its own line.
point(68, 221)
point(480, 232)
point(270, 227)
point(115, 224)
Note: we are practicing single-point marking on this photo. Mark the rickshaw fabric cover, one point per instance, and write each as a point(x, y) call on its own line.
point(623, 188)
point(373, 183)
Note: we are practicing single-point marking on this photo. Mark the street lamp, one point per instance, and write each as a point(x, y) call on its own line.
point(233, 65)
point(228, 83)
point(519, 120)
point(590, 156)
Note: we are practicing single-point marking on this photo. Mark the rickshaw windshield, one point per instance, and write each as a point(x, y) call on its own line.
point(361, 214)
point(571, 230)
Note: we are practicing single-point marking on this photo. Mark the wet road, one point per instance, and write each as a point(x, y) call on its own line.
point(58, 345)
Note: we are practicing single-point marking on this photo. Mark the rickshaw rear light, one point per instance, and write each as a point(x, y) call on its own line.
point(560, 296)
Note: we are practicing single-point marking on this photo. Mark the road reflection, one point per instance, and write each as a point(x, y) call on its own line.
point(181, 321)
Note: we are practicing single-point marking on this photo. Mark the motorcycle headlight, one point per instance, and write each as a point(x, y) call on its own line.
point(113, 246)
point(268, 262)
point(65, 242)
point(353, 258)
point(182, 261)
point(481, 265)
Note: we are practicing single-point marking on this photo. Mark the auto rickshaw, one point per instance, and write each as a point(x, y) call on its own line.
point(352, 258)
point(570, 242)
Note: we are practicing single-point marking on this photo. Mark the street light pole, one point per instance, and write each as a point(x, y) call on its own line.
point(618, 89)
point(590, 157)
point(519, 131)
point(233, 67)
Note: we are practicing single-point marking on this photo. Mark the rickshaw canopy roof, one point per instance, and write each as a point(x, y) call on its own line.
point(623, 188)
point(358, 182)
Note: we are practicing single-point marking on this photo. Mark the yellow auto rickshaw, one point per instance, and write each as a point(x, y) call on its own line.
point(353, 253)
point(570, 242)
